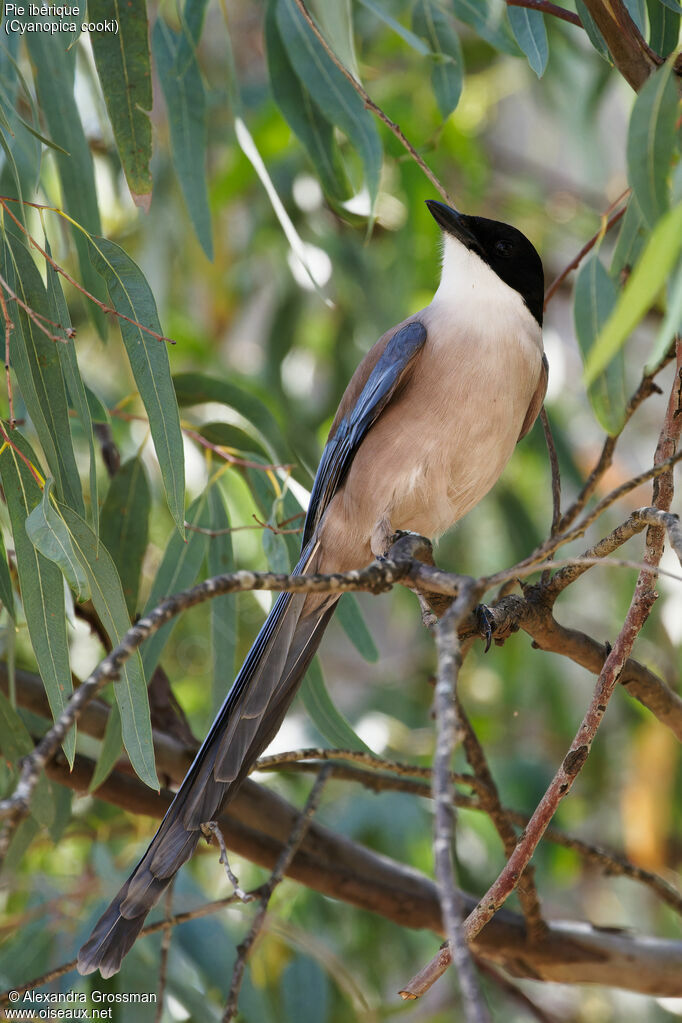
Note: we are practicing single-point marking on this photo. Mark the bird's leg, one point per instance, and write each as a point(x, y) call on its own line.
point(485, 623)
point(381, 538)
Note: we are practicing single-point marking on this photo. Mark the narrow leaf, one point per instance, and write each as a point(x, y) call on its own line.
point(123, 66)
point(531, 35)
point(37, 366)
point(351, 619)
point(330, 722)
point(40, 582)
point(131, 295)
point(304, 118)
point(179, 569)
point(72, 377)
point(481, 16)
point(336, 22)
point(331, 91)
point(125, 525)
point(130, 688)
point(651, 141)
point(112, 744)
point(672, 322)
point(54, 59)
point(592, 32)
point(631, 240)
point(48, 534)
point(643, 285)
point(594, 299)
point(410, 38)
point(6, 588)
point(223, 610)
point(183, 89)
point(430, 22)
point(664, 27)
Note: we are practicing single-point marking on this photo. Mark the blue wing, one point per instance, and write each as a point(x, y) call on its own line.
point(375, 395)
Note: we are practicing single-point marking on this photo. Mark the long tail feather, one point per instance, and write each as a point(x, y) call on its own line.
point(247, 721)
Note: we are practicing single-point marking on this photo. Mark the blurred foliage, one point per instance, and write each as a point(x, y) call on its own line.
point(283, 230)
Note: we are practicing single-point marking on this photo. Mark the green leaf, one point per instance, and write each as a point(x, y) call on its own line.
point(637, 11)
point(651, 141)
point(179, 569)
point(482, 17)
point(72, 378)
point(643, 285)
point(336, 22)
point(199, 388)
point(673, 5)
point(124, 69)
point(592, 32)
point(664, 27)
point(125, 525)
point(53, 59)
point(37, 366)
point(430, 22)
point(672, 322)
point(331, 91)
point(40, 581)
point(6, 588)
point(410, 38)
point(98, 410)
point(48, 533)
point(112, 744)
point(228, 436)
point(330, 722)
point(631, 239)
point(183, 88)
point(305, 995)
point(531, 35)
point(275, 549)
point(130, 688)
point(594, 299)
point(131, 295)
point(302, 115)
point(223, 610)
point(353, 623)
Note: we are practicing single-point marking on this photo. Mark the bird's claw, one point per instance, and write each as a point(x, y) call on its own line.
point(485, 623)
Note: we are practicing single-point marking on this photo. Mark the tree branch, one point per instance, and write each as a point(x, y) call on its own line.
point(632, 56)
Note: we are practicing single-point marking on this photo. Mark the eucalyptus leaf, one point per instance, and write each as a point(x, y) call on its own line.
point(651, 142)
point(223, 610)
point(594, 300)
point(48, 533)
point(329, 721)
point(433, 25)
point(530, 33)
point(125, 525)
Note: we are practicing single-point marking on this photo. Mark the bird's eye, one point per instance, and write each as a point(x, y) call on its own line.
point(504, 248)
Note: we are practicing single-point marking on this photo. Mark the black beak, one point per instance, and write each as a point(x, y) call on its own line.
point(454, 222)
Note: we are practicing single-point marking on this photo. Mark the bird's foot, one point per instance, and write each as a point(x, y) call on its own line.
point(485, 623)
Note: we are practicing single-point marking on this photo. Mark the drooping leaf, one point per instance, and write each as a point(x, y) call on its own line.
point(223, 610)
point(37, 366)
point(329, 721)
point(631, 239)
point(40, 581)
point(124, 69)
point(15, 743)
point(336, 22)
point(530, 33)
point(592, 32)
point(331, 91)
point(433, 25)
point(651, 141)
point(96, 407)
point(49, 535)
point(410, 38)
point(594, 299)
point(353, 623)
point(664, 26)
point(672, 322)
point(73, 380)
point(304, 118)
point(130, 688)
point(125, 525)
point(637, 11)
point(642, 287)
point(53, 58)
point(485, 19)
point(183, 88)
point(179, 569)
point(131, 295)
point(199, 388)
point(6, 589)
point(112, 744)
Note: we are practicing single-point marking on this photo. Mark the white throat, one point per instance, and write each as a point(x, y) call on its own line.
point(474, 291)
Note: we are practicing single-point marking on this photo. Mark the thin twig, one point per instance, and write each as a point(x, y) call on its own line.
point(213, 828)
point(448, 731)
point(283, 862)
point(9, 327)
point(545, 7)
point(371, 105)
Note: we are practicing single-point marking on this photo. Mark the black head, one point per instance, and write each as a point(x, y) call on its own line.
point(505, 249)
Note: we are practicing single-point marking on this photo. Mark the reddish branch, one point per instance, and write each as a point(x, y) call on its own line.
point(545, 7)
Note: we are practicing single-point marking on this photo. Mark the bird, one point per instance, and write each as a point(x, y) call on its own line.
point(424, 429)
